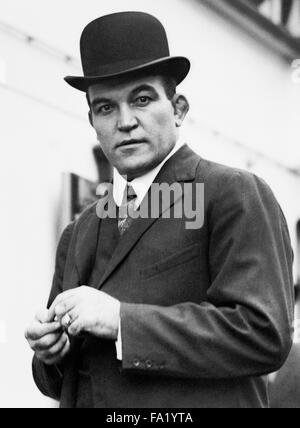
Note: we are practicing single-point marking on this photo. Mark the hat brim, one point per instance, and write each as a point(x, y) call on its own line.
point(177, 67)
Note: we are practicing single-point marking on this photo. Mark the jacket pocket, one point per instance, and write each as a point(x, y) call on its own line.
point(177, 259)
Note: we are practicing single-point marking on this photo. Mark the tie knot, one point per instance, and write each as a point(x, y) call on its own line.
point(129, 195)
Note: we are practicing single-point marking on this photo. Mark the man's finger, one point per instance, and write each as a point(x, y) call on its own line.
point(69, 319)
point(66, 321)
point(59, 357)
point(47, 342)
point(73, 314)
point(59, 299)
point(59, 346)
point(76, 328)
point(39, 330)
point(63, 308)
point(54, 350)
point(43, 316)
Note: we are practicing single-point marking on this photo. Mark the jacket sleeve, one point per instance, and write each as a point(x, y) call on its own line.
point(245, 327)
point(49, 378)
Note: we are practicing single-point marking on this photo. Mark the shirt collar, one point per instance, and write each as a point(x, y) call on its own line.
point(141, 185)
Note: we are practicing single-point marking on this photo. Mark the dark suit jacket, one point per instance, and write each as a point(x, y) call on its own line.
point(206, 313)
point(285, 389)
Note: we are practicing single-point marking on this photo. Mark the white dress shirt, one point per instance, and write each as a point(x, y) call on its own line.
point(141, 186)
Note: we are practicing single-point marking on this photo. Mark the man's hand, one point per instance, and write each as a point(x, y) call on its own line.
point(87, 310)
point(47, 339)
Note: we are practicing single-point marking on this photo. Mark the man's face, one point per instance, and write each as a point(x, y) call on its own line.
point(135, 123)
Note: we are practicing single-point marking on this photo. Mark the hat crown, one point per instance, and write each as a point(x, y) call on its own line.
point(125, 43)
point(131, 38)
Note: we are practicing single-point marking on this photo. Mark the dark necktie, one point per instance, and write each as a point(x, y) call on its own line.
point(128, 205)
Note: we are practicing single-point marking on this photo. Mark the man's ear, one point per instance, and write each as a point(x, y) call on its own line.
point(181, 108)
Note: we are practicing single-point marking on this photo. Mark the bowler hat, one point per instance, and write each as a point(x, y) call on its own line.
point(123, 43)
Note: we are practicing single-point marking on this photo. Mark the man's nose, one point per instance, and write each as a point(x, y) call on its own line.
point(127, 121)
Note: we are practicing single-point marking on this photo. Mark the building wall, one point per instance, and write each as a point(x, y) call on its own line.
point(243, 101)
point(38, 143)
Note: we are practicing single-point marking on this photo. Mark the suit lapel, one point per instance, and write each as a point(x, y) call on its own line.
point(180, 168)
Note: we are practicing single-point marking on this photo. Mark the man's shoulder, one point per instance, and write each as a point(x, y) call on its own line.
point(222, 179)
point(87, 213)
point(212, 172)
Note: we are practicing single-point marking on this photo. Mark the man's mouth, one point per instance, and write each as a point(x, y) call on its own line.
point(128, 143)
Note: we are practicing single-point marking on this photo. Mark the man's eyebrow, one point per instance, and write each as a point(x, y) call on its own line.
point(100, 100)
point(135, 91)
point(144, 87)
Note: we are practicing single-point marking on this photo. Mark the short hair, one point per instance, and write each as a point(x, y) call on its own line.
point(168, 82)
point(170, 85)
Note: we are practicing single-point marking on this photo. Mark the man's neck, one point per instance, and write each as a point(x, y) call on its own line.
point(179, 143)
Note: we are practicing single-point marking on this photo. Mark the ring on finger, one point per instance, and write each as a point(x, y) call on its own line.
point(66, 321)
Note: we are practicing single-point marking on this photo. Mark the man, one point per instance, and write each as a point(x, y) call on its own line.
point(158, 311)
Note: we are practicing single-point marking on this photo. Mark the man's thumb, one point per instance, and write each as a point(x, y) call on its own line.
point(43, 316)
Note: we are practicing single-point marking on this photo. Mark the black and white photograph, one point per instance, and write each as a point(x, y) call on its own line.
point(150, 216)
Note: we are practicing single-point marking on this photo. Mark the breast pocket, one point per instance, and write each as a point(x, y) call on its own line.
point(171, 262)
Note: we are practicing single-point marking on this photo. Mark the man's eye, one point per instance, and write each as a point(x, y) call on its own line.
point(143, 101)
point(105, 109)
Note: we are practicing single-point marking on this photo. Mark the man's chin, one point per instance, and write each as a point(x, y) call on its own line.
point(136, 169)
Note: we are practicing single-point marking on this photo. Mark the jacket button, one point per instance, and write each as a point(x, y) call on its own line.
point(136, 363)
point(149, 364)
